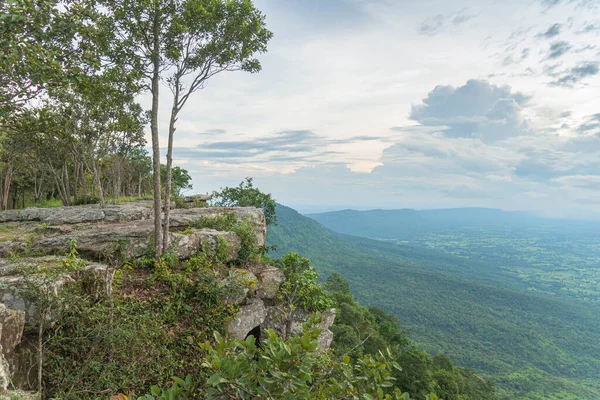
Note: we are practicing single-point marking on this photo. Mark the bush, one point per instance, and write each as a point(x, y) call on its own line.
point(246, 195)
point(301, 287)
point(249, 250)
point(293, 369)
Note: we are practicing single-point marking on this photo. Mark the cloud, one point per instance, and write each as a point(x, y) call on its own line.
point(436, 24)
point(591, 124)
point(432, 26)
point(550, 3)
point(215, 132)
point(461, 17)
point(285, 146)
point(558, 49)
point(590, 28)
point(551, 32)
point(577, 74)
point(477, 109)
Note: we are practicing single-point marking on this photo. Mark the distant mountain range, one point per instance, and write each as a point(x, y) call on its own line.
point(402, 224)
point(535, 345)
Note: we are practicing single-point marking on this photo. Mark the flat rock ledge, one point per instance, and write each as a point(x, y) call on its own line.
point(98, 232)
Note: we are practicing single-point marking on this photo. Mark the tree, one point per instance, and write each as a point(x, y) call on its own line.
point(135, 36)
point(175, 40)
point(45, 44)
point(246, 195)
point(207, 37)
point(181, 179)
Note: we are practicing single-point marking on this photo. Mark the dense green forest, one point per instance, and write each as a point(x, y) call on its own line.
point(533, 345)
point(553, 256)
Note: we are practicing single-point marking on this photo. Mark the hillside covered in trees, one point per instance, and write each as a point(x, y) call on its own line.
point(535, 346)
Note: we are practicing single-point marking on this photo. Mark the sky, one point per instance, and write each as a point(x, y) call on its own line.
point(408, 104)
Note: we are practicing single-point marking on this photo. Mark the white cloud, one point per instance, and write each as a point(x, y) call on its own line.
point(469, 129)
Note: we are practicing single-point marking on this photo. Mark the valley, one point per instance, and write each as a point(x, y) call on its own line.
point(535, 345)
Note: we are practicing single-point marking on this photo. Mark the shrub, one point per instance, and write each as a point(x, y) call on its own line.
point(301, 287)
point(293, 369)
point(246, 195)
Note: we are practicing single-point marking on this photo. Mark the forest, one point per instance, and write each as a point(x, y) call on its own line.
point(532, 344)
point(71, 73)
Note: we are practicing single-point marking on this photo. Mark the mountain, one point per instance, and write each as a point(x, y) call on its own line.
point(557, 257)
point(405, 223)
point(535, 346)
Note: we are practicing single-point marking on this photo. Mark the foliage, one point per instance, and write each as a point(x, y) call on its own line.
point(152, 331)
point(469, 310)
point(244, 229)
point(360, 331)
point(182, 389)
point(293, 369)
point(45, 44)
point(180, 181)
point(246, 195)
point(301, 286)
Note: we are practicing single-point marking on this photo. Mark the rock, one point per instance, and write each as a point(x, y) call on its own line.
point(276, 320)
point(136, 237)
point(78, 214)
point(249, 316)
point(99, 238)
point(179, 218)
point(269, 280)
point(182, 218)
point(12, 324)
point(9, 248)
point(237, 286)
point(15, 284)
point(196, 200)
point(205, 240)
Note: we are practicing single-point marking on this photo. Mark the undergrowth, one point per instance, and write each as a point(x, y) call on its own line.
point(249, 250)
point(151, 331)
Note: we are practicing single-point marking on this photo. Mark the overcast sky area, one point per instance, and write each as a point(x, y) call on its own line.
point(409, 104)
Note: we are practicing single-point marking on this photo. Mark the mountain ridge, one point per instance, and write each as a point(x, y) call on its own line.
point(464, 308)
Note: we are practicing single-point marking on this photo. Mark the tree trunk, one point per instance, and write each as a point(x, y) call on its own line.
point(66, 185)
point(98, 184)
point(7, 181)
point(84, 184)
point(75, 182)
point(174, 112)
point(154, 129)
point(117, 179)
point(37, 188)
point(15, 195)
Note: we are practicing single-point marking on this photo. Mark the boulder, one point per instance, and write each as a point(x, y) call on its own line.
point(249, 316)
point(78, 214)
point(240, 284)
point(12, 324)
point(99, 240)
point(269, 279)
point(205, 240)
point(182, 218)
point(277, 320)
point(18, 276)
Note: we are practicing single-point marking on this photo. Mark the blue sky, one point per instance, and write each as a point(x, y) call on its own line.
point(409, 104)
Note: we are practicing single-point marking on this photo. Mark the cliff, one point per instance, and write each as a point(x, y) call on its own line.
point(105, 253)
